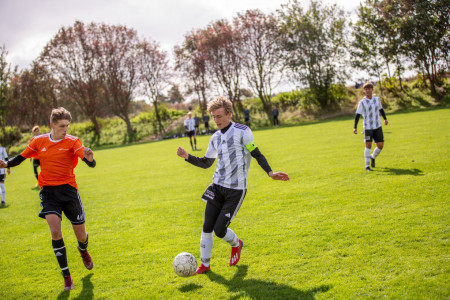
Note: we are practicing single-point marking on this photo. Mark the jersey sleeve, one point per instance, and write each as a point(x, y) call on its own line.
point(360, 108)
point(211, 152)
point(78, 149)
point(379, 104)
point(247, 139)
point(30, 150)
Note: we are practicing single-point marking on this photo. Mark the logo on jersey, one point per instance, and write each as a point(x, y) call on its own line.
point(43, 149)
point(62, 149)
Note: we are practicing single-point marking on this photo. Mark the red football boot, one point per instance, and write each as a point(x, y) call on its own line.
point(68, 283)
point(236, 253)
point(202, 269)
point(87, 260)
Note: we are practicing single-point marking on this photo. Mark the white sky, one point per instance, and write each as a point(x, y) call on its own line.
point(26, 26)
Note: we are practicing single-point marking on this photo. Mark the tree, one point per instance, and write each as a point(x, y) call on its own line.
point(190, 60)
point(221, 45)
point(118, 47)
point(72, 57)
point(315, 46)
point(155, 74)
point(174, 94)
point(5, 80)
point(262, 61)
point(423, 27)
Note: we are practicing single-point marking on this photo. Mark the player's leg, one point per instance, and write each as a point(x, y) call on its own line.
point(233, 201)
point(74, 211)
point(195, 141)
point(190, 139)
point(2, 188)
point(368, 136)
point(379, 140)
point(212, 210)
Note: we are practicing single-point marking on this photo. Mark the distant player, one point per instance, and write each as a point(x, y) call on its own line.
point(233, 144)
point(189, 124)
point(58, 153)
point(36, 131)
point(206, 121)
point(370, 108)
point(3, 156)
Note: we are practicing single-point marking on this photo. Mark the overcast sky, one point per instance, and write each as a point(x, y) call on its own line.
point(26, 26)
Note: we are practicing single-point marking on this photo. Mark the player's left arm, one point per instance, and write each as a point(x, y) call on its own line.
point(383, 114)
point(260, 158)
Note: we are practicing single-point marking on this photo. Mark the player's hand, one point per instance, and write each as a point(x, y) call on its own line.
point(386, 122)
point(182, 153)
point(355, 131)
point(8, 171)
point(88, 154)
point(279, 176)
point(2, 164)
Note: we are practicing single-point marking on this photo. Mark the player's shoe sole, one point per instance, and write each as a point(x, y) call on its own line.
point(236, 253)
point(87, 260)
point(202, 269)
point(68, 283)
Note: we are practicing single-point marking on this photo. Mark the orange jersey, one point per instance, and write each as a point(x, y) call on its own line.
point(58, 158)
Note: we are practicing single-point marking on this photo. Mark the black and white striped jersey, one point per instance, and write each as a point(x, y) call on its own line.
point(233, 156)
point(370, 110)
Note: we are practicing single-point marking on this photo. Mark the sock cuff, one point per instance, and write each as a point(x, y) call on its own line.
point(58, 243)
point(207, 235)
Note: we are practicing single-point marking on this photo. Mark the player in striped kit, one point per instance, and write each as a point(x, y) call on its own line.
point(370, 108)
point(234, 147)
point(3, 156)
point(58, 153)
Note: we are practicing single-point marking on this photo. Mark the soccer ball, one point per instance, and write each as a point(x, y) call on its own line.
point(184, 264)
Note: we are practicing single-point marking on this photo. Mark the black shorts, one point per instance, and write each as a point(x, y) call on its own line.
point(206, 124)
point(190, 133)
point(374, 134)
point(62, 198)
point(2, 177)
point(222, 205)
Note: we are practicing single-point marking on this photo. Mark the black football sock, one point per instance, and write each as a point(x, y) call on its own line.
point(83, 246)
point(60, 253)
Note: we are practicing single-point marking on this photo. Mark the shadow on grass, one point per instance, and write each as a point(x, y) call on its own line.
point(260, 289)
point(190, 287)
point(87, 291)
point(2, 206)
point(393, 171)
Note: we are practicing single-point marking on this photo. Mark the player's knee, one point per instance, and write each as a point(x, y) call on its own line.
point(220, 231)
point(380, 146)
point(56, 234)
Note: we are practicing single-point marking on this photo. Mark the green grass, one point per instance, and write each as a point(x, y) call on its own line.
point(333, 231)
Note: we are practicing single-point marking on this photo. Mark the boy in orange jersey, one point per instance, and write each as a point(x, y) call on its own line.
point(58, 153)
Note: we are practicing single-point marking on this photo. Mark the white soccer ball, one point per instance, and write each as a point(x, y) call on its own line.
point(184, 264)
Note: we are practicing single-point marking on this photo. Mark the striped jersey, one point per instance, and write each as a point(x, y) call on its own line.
point(190, 124)
point(3, 156)
point(233, 157)
point(58, 158)
point(370, 110)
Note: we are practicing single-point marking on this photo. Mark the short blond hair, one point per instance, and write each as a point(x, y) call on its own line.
point(367, 84)
point(60, 113)
point(34, 128)
point(219, 102)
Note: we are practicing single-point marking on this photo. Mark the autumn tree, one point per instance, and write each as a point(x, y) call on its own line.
point(190, 61)
point(261, 55)
point(155, 75)
point(118, 49)
point(5, 80)
point(72, 57)
point(315, 46)
point(221, 45)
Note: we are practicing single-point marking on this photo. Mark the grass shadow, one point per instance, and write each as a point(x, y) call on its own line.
point(394, 171)
point(2, 206)
point(260, 289)
point(87, 292)
point(189, 287)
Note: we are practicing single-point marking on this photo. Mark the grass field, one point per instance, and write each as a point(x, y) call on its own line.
point(332, 232)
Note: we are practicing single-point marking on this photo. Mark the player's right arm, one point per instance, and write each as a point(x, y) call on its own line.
point(202, 162)
point(13, 162)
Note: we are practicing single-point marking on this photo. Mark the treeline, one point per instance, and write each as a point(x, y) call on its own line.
point(98, 70)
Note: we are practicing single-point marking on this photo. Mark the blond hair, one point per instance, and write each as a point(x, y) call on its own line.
point(220, 102)
point(367, 84)
point(34, 128)
point(60, 113)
